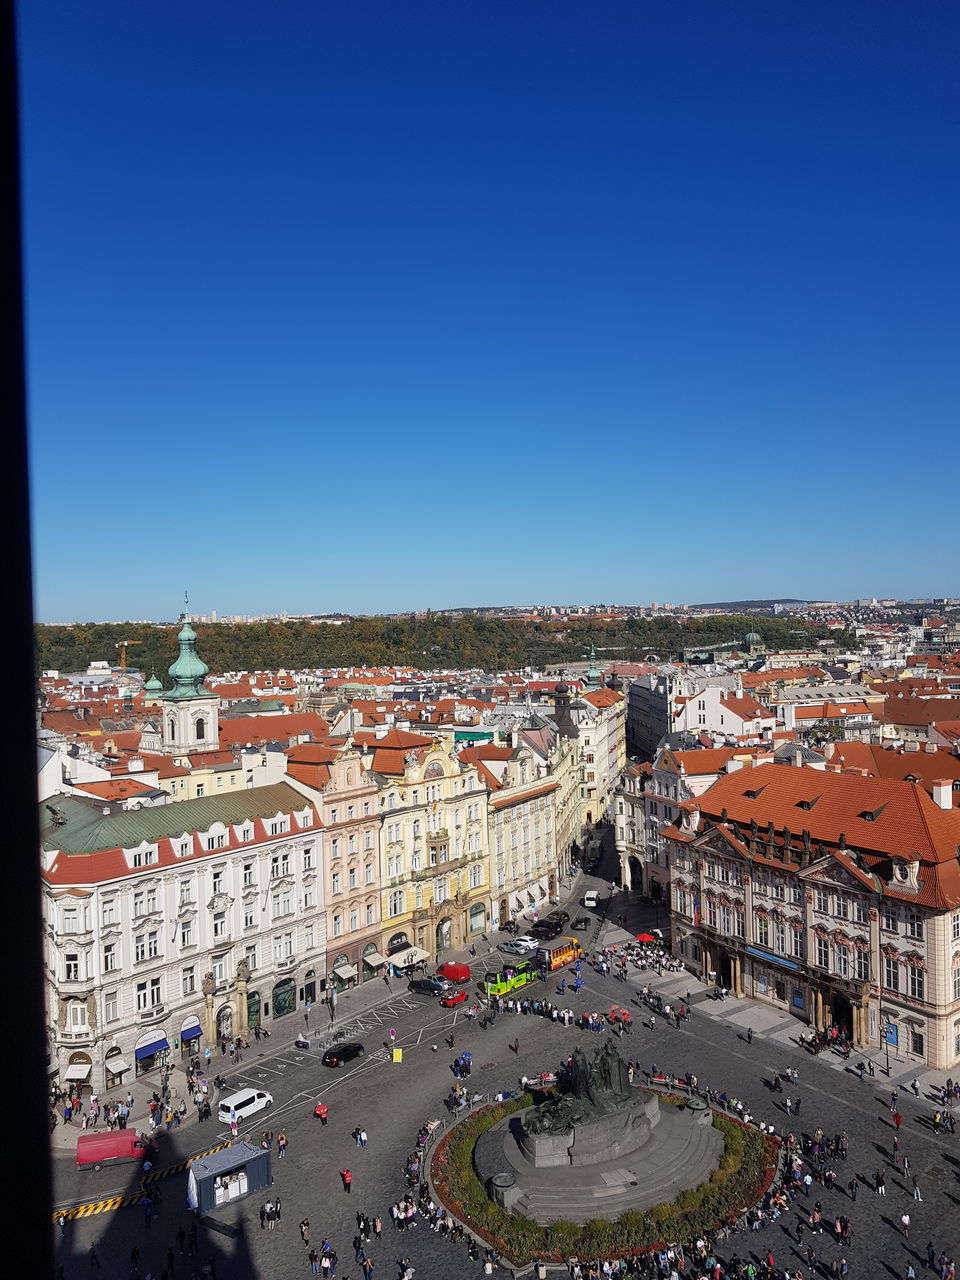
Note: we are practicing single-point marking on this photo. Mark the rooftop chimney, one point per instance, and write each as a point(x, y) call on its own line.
point(943, 793)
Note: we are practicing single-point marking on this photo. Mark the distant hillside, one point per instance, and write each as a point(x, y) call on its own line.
point(432, 642)
point(734, 605)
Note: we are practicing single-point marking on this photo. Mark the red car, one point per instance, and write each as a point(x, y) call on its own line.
point(454, 997)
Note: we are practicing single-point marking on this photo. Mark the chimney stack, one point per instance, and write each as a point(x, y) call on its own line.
point(943, 793)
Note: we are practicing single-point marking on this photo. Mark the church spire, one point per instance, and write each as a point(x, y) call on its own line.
point(187, 671)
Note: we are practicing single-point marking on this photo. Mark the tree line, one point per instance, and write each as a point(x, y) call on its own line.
point(426, 642)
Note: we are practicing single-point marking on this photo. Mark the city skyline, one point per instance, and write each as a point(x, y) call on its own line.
point(376, 311)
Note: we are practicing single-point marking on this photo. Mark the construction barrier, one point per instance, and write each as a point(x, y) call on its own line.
point(108, 1203)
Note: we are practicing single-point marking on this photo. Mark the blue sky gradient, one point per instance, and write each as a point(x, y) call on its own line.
point(379, 306)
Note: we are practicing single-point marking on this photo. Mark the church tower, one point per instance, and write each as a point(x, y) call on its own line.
point(190, 711)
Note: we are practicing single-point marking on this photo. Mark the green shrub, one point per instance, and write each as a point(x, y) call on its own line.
point(745, 1170)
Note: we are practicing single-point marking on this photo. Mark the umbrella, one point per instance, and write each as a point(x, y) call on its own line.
point(645, 937)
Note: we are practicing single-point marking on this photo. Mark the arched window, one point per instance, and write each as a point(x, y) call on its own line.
point(201, 729)
point(172, 728)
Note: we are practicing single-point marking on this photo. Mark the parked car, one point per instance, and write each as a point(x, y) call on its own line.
point(591, 898)
point(342, 1054)
point(513, 949)
point(452, 998)
point(527, 942)
point(544, 930)
point(581, 923)
point(429, 986)
point(561, 917)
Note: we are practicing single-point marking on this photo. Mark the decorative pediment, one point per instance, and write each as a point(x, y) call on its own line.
point(797, 924)
point(832, 873)
point(840, 938)
point(861, 943)
point(916, 959)
point(220, 902)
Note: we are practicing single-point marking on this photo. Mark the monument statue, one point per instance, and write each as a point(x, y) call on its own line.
point(593, 1090)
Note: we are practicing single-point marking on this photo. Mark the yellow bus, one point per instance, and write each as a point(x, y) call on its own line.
point(560, 952)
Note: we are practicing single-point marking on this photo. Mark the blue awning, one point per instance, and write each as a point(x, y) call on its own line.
point(774, 959)
point(148, 1050)
point(191, 1033)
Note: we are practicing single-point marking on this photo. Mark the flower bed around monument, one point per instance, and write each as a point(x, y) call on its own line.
point(746, 1170)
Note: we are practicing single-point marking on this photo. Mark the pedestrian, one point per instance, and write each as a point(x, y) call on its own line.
point(796, 1106)
point(516, 1047)
point(880, 1183)
point(853, 1187)
point(323, 1111)
point(181, 1239)
point(363, 1137)
point(94, 1258)
point(347, 1178)
point(897, 1119)
point(305, 1232)
point(916, 1188)
point(377, 1227)
point(314, 1259)
point(749, 1035)
point(281, 1145)
point(905, 1224)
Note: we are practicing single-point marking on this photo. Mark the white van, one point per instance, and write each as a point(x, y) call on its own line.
point(591, 898)
point(243, 1103)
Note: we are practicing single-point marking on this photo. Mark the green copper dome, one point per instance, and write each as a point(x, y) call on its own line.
point(187, 671)
point(153, 685)
point(752, 638)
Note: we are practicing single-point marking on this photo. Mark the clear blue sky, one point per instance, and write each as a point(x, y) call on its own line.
point(375, 306)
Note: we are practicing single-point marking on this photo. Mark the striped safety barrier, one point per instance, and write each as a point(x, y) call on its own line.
point(109, 1203)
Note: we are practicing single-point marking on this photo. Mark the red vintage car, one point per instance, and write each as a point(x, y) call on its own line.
point(454, 997)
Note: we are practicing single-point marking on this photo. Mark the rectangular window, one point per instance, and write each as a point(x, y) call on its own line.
point(371, 913)
point(860, 911)
point(308, 858)
point(337, 925)
point(954, 925)
point(823, 953)
point(796, 894)
point(155, 993)
point(842, 906)
point(137, 905)
point(842, 961)
point(217, 882)
point(797, 943)
point(249, 915)
point(711, 913)
point(188, 980)
point(153, 944)
point(354, 919)
point(141, 997)
point(368, 873)
point(140, 947)
point(248, 880)
point(308, 937)
point(335, 884)
point(780, 938)
point(888, 918)
point(108, 912)
point(863, 966)
point(891, 973)
point(109, 957)
point(70, 919)
point(763, 932)
point(352, 878)
point(917, 982)
point(822, 900)
point(396, 902)
point(219, 924)
point(250, 954)
point(916, 1042)
point(111, 1006)
point(915, 925)
point(71, 966)
point(739, 923)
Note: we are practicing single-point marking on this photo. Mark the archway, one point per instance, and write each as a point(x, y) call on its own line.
point(635, 870)
point(253, 1009)
point(444, 936)
point(225, 1023)
point(398, 942)
point(841, 1012)
point(504, 912)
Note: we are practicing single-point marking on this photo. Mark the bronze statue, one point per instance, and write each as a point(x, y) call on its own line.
point(594, 1089)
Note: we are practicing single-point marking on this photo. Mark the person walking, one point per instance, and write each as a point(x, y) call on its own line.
point(347, 1179)
point(905, 1224)
point(796, 1106)
point(516, 1047)
point(897, 1120)
point(853, 1187)
point(880, 1183)
point(322, 1111)
point(281, 1145)
point(305, 1232)
point(749, 1035)
point(916, 1188)
point(314, 1259)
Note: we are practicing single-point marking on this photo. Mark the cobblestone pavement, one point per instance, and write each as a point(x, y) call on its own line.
point(391, 1100)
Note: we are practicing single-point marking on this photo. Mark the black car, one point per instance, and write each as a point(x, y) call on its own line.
point(559, 917)
point(581, 923)
point(429, 986)
point(342, 1054)
point(546, 930)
